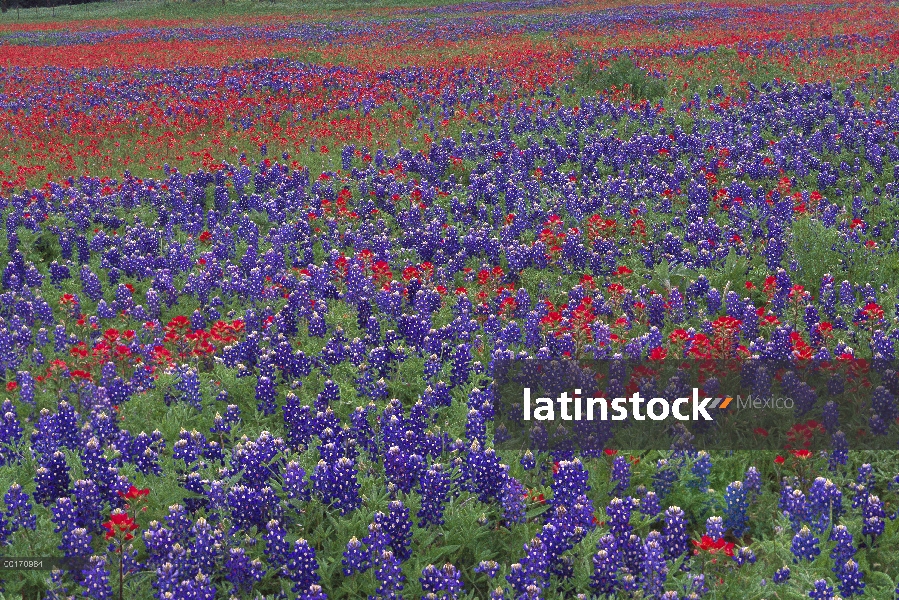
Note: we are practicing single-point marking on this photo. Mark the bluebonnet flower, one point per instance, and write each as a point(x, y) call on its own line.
point(328, 396)
point(821, 591)
point(569, 483)
point(401, 469)
point(793, 503)
point(737, 503)
point(199, 587)
point(650, 505)
point(532, 571)
point(873, 515)
point(18, 509)
point(336, 483)
point(315, 592)
point(714, 528)
point(441, 583)
point(839, 454)
point(850, 577)
point(476, 427)
point(241, 572)
point(619, 513)
point(88, 504)
point(317, 326)
point(96, 580)
point(294, 482)
point(527, 461)
point(250, 507)
point(206, 546)
point(654, 569)
point(258, 460)
point(461, 365)
point(26, 387)
point(189, 386)
point(90, 284)
point(434, 489)
point(864, 482)
point(76, 542)
point(744, 555)
point(606, 563)
point(52, 479)
point(824, 503)
point(159, 541)
point(675, 538)
point(179, 521)
point(701, 470)
point(843, 548)
point(362, 430)
point(782, 575)
point(356, 559)
point(396, 524)
point(621, 475)
point(64, 515)
point(389, 575)
point(805, 545)
point(512, 498)
point(488, 567)
point(753, 481)
point(297, 421)
point(276, 545)
point(302, 566)
point(483, 472)
point(266, 396)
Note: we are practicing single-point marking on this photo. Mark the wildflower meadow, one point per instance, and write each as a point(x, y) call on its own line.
point(260, 263)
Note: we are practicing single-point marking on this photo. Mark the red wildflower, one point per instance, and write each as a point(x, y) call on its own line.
point(872, 312)
point(134, 493)
point(707, 544)
point(679, 335)
point(120, 525)
point(658, 353)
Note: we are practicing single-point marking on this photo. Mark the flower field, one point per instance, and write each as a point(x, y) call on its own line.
point(258, 272)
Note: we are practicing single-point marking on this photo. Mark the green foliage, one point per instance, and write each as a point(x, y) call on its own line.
point(820, 250)
point(621, 73)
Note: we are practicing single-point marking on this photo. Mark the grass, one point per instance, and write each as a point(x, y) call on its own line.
point(621, 74)
point(203, 9)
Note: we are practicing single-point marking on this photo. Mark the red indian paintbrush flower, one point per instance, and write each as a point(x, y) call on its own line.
point(707, 544)
point(120, 525)
point(134, 493)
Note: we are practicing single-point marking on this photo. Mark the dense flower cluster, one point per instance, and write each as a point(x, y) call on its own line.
point(269, 372)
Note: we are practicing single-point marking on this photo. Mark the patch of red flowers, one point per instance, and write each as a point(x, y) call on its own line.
point(134, 493)
point(120, 525)
point(707, 544)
